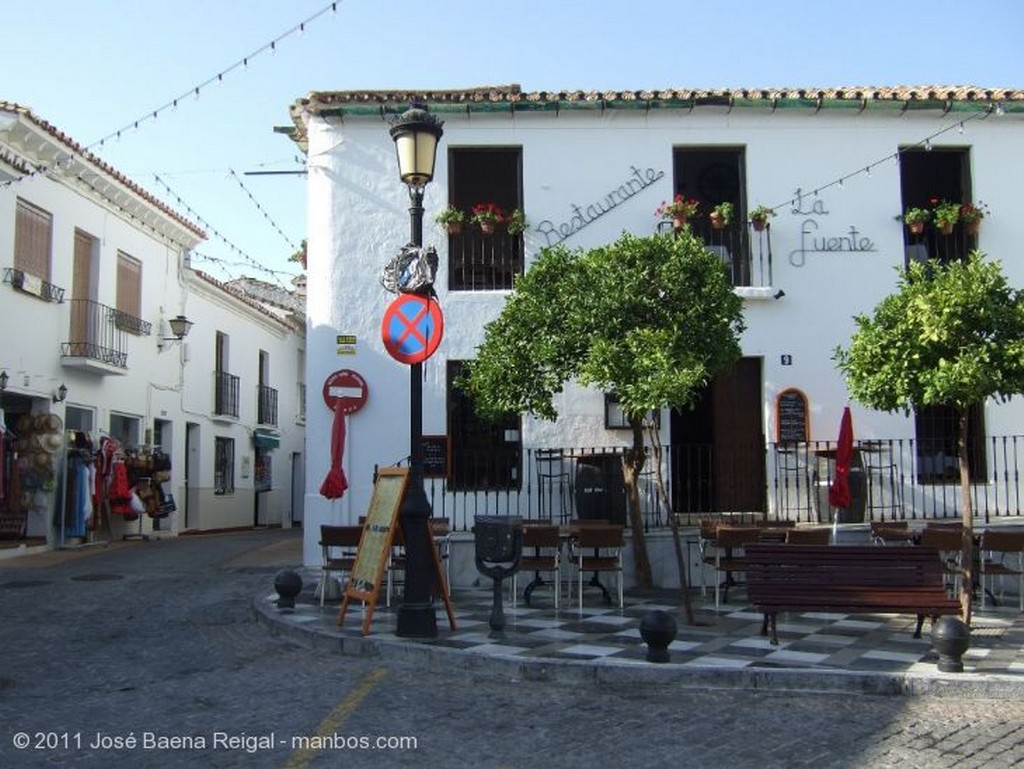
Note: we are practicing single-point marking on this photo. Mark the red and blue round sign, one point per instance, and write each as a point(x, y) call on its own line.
point(412, 328)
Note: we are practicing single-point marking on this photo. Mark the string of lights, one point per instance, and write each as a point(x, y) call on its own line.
point(210, 229)
point(925, 143)
point(263, 211)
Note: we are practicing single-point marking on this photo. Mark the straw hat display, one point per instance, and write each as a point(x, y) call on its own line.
point(53, 442)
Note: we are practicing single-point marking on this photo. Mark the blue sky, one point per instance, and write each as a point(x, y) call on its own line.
point(91, 68)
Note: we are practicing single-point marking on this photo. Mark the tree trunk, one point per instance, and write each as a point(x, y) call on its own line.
point(632, 463)
point(677, 541)
point(967, 544)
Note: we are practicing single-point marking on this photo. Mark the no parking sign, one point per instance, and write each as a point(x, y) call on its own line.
point(412, 328)
point(346, 388)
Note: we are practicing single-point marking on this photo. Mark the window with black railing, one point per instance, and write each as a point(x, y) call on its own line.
point(225, 394)
point(224, 466)
point(488, 177)
point(930, 179)
point(95, 334)
point(937, 430)
point(266, 405)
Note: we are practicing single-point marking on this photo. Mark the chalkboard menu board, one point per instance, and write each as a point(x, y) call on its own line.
point(435, 456)
point(364, 582)
point(791, 421)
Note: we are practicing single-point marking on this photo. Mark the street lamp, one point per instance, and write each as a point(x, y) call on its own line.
point(416, 134)
point(180, 326)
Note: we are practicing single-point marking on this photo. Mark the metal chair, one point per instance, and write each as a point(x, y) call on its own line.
point(729, 539)
point(338, 548)
point(885, 486)
point(948, 540)
point(542, 550)
point(553, 479)
point(596, 548)
point(1002, 555)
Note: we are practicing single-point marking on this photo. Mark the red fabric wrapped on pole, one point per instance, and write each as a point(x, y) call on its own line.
point(839, 491)
point(335, 483)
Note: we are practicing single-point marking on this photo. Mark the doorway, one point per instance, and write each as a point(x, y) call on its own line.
point(718, 447)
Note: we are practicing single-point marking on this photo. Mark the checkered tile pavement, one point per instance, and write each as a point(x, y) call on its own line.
point(728, 638)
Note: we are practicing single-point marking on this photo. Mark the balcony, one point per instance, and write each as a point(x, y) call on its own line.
point(30, 284)
point(478, 262)
point(97, 342)
point(747, 254)
point(225, 395)
point(266, 405)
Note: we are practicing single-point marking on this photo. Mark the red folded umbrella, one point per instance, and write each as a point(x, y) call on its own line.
point(335, 483)
point(839, 491)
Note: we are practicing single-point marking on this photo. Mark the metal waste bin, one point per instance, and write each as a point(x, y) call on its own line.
point(600, 490)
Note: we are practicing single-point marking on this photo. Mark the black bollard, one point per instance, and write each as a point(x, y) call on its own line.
point(658, 629)
point(288, 584)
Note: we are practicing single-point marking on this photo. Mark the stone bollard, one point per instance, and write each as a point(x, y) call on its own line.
point(658, 629)
point(288, 584)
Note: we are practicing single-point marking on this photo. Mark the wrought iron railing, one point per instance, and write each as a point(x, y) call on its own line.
point(478, 262)
point(745, 252)
point(131, 324)
point(225, 394)
point(95, 334)
point(266, 405)
point(891, 479)
point(30, 284)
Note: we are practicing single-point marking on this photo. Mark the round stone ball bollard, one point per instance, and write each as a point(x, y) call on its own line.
point(658, 629)
point(288, 585)
point(951, 638)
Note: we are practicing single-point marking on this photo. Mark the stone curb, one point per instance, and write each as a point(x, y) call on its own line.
point(633, 672)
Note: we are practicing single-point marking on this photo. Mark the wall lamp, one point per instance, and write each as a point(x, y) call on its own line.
point(62, 393)
point(180, 326)
point(3, 380)
point(779, 294)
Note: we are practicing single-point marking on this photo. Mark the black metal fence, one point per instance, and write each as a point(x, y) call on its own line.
point(225, 394)
point(266, 405)
point(890, 479)
point(95, 333)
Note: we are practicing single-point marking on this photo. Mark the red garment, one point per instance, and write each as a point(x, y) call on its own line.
point(120, 491)
point(335, 483)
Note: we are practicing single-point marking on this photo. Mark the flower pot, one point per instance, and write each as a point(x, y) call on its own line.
point(759, 224)
point(972, 228)
point(717, 221)
point(487, 228)
point(678, 222)
point(916, 228)
point(946, 228)
point(454, 228)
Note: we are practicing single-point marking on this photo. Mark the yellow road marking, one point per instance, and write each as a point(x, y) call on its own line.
point(299, 759)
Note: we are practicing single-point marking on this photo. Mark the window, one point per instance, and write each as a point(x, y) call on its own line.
point(615, 418)
point(225, 385)
point(937, 429)
point(942, 174)
point(33, 240)
point(484, 175)
point(485, 456)
point(125, 429)
point(224, 466)
point(711, 176)
point(129, 293)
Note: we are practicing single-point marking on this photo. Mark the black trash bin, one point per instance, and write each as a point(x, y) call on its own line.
point(600, 490)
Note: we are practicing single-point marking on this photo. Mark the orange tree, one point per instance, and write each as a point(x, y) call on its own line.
point(650, 319)
point(951, 335)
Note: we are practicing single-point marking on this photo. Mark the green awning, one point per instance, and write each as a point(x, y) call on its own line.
point(265, 439)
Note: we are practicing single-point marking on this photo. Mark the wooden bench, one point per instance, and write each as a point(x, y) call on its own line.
point(855, 580)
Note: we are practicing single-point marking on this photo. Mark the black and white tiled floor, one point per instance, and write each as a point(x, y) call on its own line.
point(728, 638)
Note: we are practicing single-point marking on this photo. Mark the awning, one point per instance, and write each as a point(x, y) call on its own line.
point(265, 439)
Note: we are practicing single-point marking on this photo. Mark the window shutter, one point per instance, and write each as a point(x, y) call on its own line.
point(33, 236)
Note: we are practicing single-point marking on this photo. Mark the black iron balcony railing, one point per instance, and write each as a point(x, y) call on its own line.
point(131, 324)
point(95, 334)
point(30, 284)
point(266, 405)
point(225, 394)
point(932, 244)
point(478, 262)
point(301, 389)
point(746, 254)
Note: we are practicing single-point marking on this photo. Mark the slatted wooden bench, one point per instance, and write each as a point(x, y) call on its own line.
point(846, 579)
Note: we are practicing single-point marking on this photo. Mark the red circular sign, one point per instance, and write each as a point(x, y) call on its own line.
point(347, 388)
point(412, 328)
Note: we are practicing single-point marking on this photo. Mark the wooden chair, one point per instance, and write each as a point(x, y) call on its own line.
point(814, 536)
point(948, 540)
point(441, 532)
point(597, 549)
point(542, 549)
point(338, 547)
point(890, 532)
point(1002, 555)
point(729, 540)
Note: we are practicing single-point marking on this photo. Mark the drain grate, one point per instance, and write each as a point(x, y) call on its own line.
point(97, 577)
point(24, 583)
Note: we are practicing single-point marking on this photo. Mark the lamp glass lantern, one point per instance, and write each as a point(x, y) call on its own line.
point(180, 326)
point(416, 133)
point(62, 393)
point(3, 380)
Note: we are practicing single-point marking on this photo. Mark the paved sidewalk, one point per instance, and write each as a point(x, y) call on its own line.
point(864, 653)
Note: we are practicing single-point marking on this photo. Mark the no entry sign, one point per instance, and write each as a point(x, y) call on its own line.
point(347, 388)
point(412, 328)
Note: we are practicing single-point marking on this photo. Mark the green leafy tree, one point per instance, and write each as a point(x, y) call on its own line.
point(951, 335)
point(650, 319)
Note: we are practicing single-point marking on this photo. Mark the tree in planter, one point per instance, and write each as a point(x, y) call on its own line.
point(951, 335)
point(652, 319)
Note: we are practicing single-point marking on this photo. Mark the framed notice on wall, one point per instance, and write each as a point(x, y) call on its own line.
point(792, 424)
point(435, 456)
point(364, 582)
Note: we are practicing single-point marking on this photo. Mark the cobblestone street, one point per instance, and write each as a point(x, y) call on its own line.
point(147, 654)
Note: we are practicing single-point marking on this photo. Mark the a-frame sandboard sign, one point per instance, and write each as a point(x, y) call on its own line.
point(364, 582)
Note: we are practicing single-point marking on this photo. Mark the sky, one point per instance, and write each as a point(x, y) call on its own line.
point(94, 67)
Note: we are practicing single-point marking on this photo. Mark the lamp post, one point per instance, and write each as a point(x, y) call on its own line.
point(416, 134)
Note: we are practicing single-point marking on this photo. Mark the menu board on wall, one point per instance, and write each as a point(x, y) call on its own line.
point(791, 420)
point(435, 456)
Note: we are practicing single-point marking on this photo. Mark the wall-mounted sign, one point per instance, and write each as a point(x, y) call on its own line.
point(791, 417)
point(347, 387)
point(412, 328)
point(813, 207)
point(435, 455)
point(786, 360)
point(346, 344)
point(637, 181)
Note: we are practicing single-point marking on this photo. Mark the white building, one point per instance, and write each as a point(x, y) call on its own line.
point(838, 167)
point(93, 269)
